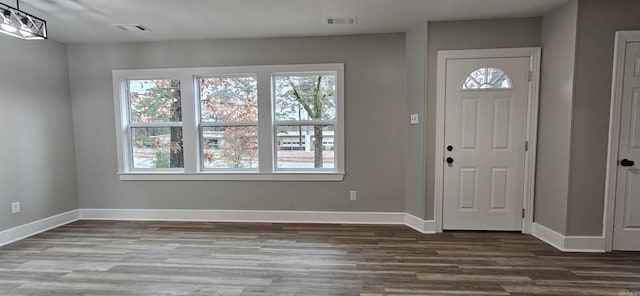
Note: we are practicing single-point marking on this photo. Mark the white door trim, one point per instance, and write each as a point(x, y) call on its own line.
point(533, 53)
point(622, 38)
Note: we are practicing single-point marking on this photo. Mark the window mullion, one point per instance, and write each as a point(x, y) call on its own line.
point(265, 126)
point(229, 123)
point(189, 123)
point(305, 122)
point(155, 124)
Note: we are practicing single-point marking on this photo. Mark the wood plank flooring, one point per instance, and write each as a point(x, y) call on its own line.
point(184, 258)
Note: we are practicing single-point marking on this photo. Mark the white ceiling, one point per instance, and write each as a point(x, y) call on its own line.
point(89, 21)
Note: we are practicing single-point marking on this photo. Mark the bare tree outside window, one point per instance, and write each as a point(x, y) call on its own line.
point(307, 97)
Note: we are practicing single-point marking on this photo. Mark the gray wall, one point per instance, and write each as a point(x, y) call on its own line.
point(554, 124)
point(500, 33)
point(382, 149)
point(375, 124)
point(38, 164)
point(416, 55)
point(597, 22)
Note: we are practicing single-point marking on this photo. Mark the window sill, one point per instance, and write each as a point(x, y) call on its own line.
point(289, 176)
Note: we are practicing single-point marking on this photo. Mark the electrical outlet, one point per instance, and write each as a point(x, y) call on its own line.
point(15, 207)
point(414, 118)
point(353, 195)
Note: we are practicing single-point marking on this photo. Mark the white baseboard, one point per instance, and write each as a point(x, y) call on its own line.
point(244, 216)
point(559, 241)
point(424, 226)
point(569, 243)
point(548, 236)
point(592, 244)
point(23, 231)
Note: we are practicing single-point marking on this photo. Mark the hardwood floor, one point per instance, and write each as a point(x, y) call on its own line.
point(186, 258)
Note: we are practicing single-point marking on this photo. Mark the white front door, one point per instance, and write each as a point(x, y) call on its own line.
point(484, 138)
point(626, 231)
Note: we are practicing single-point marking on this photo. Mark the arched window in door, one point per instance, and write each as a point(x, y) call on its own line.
point(487, 78)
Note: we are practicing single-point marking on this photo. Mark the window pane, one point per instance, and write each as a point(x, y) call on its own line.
point(158, 147)
point(155, 100)
point(305, 147)
point(231, 98)
point(305, 97)
point(487, 78)
point(230, 147)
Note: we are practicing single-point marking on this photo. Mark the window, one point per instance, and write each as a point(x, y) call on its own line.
point(487, 78)
point(155, 124)
point(231, 123)
point(305, 111)
point(229, 118)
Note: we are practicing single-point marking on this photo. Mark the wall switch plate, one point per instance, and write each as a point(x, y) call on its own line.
point(15, 207)
point(353, 195)
point(414, 118)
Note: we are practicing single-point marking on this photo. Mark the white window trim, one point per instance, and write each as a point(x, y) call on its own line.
point(190, 124)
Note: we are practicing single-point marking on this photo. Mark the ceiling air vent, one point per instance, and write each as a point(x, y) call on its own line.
point(349, 20)
point(132, 27)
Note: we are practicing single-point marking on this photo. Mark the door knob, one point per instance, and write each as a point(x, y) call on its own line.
point(627, 163)
point(449, 160)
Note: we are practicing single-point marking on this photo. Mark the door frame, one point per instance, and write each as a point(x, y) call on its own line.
point(615, 117)
point(533, 53)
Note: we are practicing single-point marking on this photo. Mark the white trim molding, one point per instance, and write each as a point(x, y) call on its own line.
point(296, 176)
point(420, 225)
point(533, 53)
point(23, 231)
point(377, 218)
point(380, 218)
point(559, 241)
point(622, 38)
point(244, 216)
point(589, 244)
point(194, 169)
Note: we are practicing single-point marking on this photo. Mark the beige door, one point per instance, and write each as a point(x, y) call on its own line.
point(485, 132)
point(626, 231)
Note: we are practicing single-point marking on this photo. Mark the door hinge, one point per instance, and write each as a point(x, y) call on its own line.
point(523, 211)
point(530, 75)
point(526, 145)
